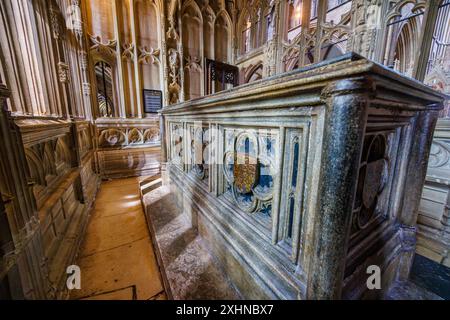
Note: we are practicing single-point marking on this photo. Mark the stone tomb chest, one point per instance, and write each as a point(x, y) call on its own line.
point(301, 181)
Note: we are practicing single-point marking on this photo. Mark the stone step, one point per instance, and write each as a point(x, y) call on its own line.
point(146, 180)
point(188, 269)
point(150, 186)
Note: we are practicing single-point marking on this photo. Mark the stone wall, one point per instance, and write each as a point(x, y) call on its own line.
point(53, 162)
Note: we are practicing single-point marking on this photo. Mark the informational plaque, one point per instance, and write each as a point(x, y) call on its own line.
point(152, 101)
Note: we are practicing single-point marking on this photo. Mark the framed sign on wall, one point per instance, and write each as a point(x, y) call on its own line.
point(152, 100)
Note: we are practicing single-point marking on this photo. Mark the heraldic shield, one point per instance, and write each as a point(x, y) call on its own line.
point(245, 172)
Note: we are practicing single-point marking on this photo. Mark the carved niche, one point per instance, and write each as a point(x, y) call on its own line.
point(176, 143)
point(48, 162)
point(174, 74)
point(373, 179)
point(199, 140)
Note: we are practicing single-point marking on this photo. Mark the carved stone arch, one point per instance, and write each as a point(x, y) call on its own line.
point(346, 19)
point(35, 167)
point(405, 47)
point(224, 14)
point(291, 58)
point(226, 44)
point(158, 6)
point(209, 18)
point(148, 32)
point(192, 4)
point(402, 38)
point(48, 159)
point(308, 53)
point(254, 72)
point(152, 135)
point(396, 9)
point(244, 17)
point(62, 152)
point(333, 34)
point(333, 38)
point(193, 49)
point(297, 38)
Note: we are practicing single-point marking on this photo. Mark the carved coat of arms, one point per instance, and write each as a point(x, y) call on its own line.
point(245, 172)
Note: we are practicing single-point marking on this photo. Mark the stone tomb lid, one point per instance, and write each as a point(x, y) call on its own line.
point(312, 79)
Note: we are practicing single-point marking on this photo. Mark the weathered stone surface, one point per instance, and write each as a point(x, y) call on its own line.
point(189, 270)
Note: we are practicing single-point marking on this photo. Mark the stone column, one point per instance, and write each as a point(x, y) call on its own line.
point(346, 113)
point(422, 137)
point(426, 39)
point(162, 134)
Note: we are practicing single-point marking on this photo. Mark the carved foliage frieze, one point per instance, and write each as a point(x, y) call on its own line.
point(174, 76)
point(63, 72)
point(128, 136)
point(107, 49)
point(128, 51)
point(149, 56)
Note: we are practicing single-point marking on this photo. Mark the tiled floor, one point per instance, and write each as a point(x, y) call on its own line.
point(117, 260)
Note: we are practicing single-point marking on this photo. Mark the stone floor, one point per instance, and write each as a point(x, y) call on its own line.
point(117, 260)
point(410, 291)
point(432, 276)
point(189, 270)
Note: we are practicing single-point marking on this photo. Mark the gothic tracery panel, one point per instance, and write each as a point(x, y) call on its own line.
point(249, 170)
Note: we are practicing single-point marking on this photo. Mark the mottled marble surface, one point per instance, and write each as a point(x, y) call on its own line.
point(410, 291)
point(190, 270)
point(431, 275)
